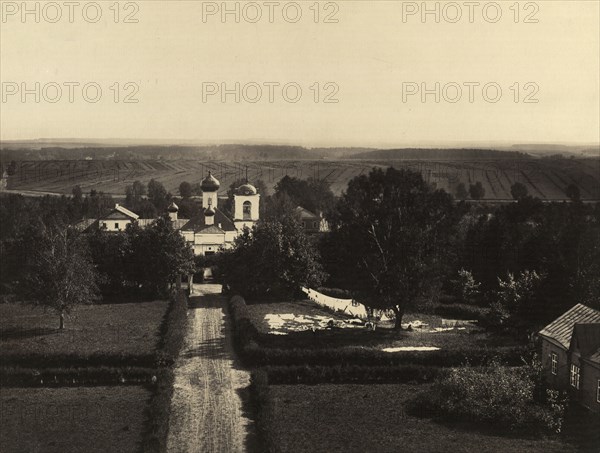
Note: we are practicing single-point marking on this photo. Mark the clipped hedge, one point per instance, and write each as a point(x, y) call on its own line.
point(351, 374)
point(158, 413)
point(263, 405)
point(173, 329)
point(67, 377)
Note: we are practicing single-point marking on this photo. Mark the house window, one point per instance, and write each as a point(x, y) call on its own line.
point(104, 225)
point(554, 363)
point(575, 376)
point(314, 224)
point(116, 225)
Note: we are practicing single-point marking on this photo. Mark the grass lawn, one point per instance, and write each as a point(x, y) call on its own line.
point(131, 328)
point(65, 420)
point(357, 418)
point(383, 337)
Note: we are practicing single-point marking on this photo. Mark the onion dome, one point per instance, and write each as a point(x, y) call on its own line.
point(210, 183)
point(209, 212)
point(246, 189)
point(173, 208)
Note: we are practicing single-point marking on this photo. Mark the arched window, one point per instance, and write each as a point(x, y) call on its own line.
point(247, 210)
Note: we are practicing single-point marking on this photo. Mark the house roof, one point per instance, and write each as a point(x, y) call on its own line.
point(305, 213)
point(124, 211)
point(561, 329)
point(595, 357)
point(177, 224)
point(586, 338)
point(198, 223)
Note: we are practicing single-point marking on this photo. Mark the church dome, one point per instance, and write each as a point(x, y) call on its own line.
point(173, 208)
point(210, 183)
point(209, 212)
point(246, 189)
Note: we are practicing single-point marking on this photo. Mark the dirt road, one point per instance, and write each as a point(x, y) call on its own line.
point(206, 410)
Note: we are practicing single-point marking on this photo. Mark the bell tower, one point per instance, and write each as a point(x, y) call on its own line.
point(246, 204)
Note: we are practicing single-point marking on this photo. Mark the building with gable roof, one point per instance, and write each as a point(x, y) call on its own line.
point(209, 232)
point(571, 354)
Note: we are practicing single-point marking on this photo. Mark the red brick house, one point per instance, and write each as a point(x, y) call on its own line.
point(571, 354)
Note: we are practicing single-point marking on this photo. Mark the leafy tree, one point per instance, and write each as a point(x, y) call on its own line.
point(185, 190)
point(515, 299)
point(158, 195)
point(518, 191)
point(312, 193)
point(273, 260)
point(159, 254)
point(572, 191)
point(134, 195)
point(461, 191)
point(392, 237)
point(476, 191)
point(60, 274)
point(466, 287)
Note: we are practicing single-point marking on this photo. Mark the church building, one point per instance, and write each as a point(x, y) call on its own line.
point(206, 233)
point(212, 230)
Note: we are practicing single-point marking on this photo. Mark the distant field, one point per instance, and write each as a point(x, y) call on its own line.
point(544, 178)
point(72, 420)
point(131, 328)
point(355, 418)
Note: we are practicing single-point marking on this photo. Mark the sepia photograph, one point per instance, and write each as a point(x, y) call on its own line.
point(310, 226)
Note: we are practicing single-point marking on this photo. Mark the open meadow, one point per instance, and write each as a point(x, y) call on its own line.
point(72, 420)
point(544, 178)
point(341, 418)
point(304, 324)
point(127, 329)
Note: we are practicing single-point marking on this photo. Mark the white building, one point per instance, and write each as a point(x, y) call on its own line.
point(206, 233)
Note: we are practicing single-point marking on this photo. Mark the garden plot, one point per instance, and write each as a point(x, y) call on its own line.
point(283, 323)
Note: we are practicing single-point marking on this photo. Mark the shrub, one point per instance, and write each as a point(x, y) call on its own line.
point(495, 396)
point(158, 414)
point(173, 329)
point(67, 376)
point(262, 401)
point(355, 374)
point(461, 311)
point(335, 292)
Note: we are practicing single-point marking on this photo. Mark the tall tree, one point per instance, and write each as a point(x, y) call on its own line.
point(60, 274)
point(158, 195)
point(476, 191)
point(273, 260)
point(185, 189)
point(392, 235)
point(518, 191)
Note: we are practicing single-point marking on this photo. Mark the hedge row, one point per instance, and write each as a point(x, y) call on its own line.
point(96, 360)
point(247, 340)
point(351, 374)
point(173, 332)
point(263, 406)
point(63, 377)
point(461, 311)
point(158, 413)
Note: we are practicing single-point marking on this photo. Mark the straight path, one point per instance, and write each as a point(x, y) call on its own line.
point(206, 409)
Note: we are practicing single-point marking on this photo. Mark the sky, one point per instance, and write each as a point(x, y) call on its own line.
point(345, 73)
